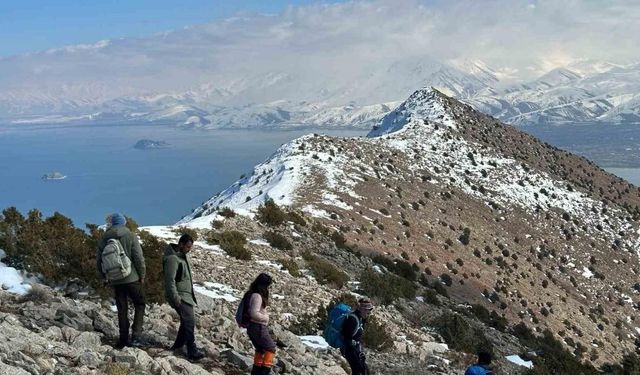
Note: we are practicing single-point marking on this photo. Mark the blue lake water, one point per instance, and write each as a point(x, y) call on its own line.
point(106, 174)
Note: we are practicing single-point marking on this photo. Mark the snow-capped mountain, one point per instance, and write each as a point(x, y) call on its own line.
point(542, 225)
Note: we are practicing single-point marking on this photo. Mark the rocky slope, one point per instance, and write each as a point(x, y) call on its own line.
point(540, 236)
point(69, 330)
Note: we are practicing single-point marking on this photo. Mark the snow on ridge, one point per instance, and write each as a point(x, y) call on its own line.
point(425, 104)
point(280, 177)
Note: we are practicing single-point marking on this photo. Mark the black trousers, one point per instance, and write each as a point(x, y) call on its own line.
point(186, 332)
point(356, 361)
point(123, 293)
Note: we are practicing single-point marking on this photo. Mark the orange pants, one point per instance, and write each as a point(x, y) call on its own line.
point(265, 359)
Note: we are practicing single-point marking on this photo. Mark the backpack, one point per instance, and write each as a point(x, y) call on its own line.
point(242, 317)
point(116, 265)
point(333, 328)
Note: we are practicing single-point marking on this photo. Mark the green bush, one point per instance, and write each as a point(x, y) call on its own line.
point(217, 224)
point(376, 335)
point(400, 267)
point(232, 242)
point(430, 296)
point(227, 212)
point(291, 266)
point(324, 271)
point(179, 231)
point(277, 240)
point(57, 250)
point(386, 287)
point(296, 218)
point(270, 214)
point(460, 335)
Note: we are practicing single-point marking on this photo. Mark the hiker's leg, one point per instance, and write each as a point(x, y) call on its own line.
point(258, 362)
point(180, 338)
point(122, 304)
point(137, 296)
point(268, 362)
point(187, 319)
point(355, 363)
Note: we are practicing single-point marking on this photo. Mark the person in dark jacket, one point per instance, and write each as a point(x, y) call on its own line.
point(131, 287)
point(178, 286)
point(482, 367)
point(256, 300)
point(352, 332)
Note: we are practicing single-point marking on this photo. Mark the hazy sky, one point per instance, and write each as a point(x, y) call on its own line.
point(34, 25)
point(362, 45)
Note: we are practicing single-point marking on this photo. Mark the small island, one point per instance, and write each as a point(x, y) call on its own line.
point(54, 176)
point(148, 144)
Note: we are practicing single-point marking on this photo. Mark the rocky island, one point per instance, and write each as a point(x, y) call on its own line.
point(53, 176)
point(148, 144)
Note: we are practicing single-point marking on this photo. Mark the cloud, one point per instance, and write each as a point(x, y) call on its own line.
point(338, 47)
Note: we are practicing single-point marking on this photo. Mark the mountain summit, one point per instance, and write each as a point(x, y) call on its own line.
point(540, 236)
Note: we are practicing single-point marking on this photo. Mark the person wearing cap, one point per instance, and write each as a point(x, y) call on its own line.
point(482, 367)
point(178, 287)
point(256, 302)
point(352, 332)
point(130, 287)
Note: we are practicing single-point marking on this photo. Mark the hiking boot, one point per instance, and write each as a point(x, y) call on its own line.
point(195, 354)
point(120, 345)
point(136, 342)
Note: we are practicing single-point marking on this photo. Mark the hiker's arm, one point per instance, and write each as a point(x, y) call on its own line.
point(255, 304)
point(137, 257)
point(170, 270)
point(99, 259)
point(349, 328)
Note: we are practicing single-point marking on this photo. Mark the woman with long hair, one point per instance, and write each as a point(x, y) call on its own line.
point(256, 300)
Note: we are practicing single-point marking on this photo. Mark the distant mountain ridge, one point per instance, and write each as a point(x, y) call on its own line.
point(579, 93)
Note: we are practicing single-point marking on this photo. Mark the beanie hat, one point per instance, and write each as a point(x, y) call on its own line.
point(118, 219)
point(365, 304)
point(264, 279)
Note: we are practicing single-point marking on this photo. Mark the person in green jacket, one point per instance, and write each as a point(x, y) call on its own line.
point(130, 287)
point(178, 286)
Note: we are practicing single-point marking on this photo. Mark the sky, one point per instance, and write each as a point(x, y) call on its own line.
point(369, 51)
point(35, 25)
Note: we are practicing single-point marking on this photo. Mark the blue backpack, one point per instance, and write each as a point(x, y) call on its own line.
point(333, 328)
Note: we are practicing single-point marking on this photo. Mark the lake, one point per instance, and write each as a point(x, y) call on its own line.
point(106, 174)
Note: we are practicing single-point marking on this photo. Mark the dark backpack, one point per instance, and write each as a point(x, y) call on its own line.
point(242, 315)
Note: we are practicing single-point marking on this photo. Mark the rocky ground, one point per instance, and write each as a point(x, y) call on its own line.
point(71, 331)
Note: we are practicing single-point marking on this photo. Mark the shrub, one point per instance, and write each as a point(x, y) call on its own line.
point(232, 242)
point(376, 335)
point(277, 240)
point(340, 240)
point(270, 214)
point(400, 267)
point(324, 271)
point(58, 251)
point(184, 230)
point(38, 295)
point(217, 224)
point(291, 266)
point(446, 279)
point(386, 287)
point(296, 218)
point(460, 335)
point(465, 237)
point(227, 212)
point(431, 296)
point(439, 288)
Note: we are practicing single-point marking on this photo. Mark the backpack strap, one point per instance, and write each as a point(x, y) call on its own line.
point(178, 277)
point(358, 325)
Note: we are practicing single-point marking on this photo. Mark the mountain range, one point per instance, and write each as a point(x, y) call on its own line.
point(128, 81)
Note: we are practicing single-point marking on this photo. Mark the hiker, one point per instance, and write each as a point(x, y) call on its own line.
point(121, 265)
point(352, 332)
point(254, 305)
point(482, 367)
point(178, 286)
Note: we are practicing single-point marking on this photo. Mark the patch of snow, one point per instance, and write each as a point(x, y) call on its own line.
point(314, 342)
point(216, 291)
point(377, 268)
point(278, 296)
point(519, 361)
point(316, 212)
point(12, 280)
point(269, 263)
point(587, 273)
point(161, 231)
point(216, 249)
point(260, 242)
